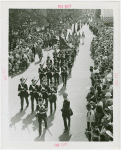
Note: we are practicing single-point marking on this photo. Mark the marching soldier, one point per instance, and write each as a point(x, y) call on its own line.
point(64, 74)
point(49, 73)
point(53, 99)
point(56, 74)
point(40, 90)
point(41, 114)
point(34, 93)
point(70, 63)
point(48, 61)
point(54, 54)
point(23, 92)
point(56, 62)
point(45, 96)
point(41, 73)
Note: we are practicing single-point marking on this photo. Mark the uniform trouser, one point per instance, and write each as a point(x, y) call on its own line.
point(56, 78)
point(64, 78)
point(40, 118)
point(65, 121)
point(49, 77)
point(51, 106)
point(32, 102)
point(22, 101)
point(41, 77)
point(93, 82)
point(70, 67)
point(46, 101)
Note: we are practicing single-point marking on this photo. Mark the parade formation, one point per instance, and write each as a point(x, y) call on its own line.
point(49, 76)
point(42, 94)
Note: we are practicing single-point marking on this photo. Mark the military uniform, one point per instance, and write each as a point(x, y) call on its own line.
point(64, 74)
point(70, 63)
point(56, 74)
point(41, 114)
point(23, 93)
point(45, 96)
point(34, 93)
point(53, 99)
point(48, 61)
point(49, 73)
point(41, 73)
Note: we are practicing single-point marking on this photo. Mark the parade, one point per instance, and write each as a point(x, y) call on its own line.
point(53, 80)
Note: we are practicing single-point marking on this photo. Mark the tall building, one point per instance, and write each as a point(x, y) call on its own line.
point(107, 15)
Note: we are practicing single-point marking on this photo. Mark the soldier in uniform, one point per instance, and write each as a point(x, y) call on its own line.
point(48, 61)
point(41, 114)
point(49, 73)
point(34, 93)
point(53, 99)
point(64, 74)
point(41, 73)
point(56, 74)
point(23, 92)
point(45, 95)
point(70, 64)
point(55, 54)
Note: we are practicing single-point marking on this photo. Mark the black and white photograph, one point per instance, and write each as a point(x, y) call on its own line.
point(61, 75)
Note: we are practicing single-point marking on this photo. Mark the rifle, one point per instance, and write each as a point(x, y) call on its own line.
point(49, 69)
point(33, 88)
point(55, 69)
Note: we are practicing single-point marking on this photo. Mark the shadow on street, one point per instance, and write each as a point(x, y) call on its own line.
point(17, 118)
point(50, 119)
point(66, 136)
point(27, 121)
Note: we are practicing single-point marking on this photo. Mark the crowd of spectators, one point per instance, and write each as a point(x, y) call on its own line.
point(100, 98)
point(20, 57)
point(23, 49)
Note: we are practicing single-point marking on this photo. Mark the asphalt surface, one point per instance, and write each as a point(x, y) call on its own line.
point(23, 126)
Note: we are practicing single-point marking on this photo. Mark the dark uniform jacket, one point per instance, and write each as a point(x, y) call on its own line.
point(23, 90)
point(64, 70)
point(49, 69)
point(33, 90)
point(41, 71)
point(66, 108)
point(55, 70)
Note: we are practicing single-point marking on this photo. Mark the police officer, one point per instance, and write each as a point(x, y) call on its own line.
point(56, 73)
point(41, 73)
point(49, 73)
point(23, 92)
point(64, 74)
point(66, 111)
point(34, 93)
point(41, 114)
point(52, 99)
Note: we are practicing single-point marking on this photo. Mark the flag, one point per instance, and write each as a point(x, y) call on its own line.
point(63, 44)
point(74, 31)
point(78, 28)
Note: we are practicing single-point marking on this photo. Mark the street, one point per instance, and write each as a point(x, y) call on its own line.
point(23, 126)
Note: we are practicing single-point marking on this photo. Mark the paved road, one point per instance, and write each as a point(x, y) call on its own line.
point(23, 126)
